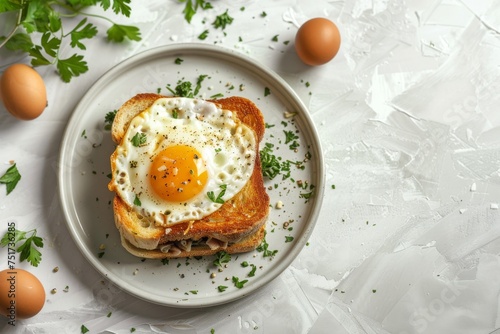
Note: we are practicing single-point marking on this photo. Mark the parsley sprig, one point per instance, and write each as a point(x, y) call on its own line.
point(43, 20)
point(29, 248)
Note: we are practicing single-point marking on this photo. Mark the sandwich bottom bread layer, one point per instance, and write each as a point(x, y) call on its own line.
point(186, 248)
point(237, 226)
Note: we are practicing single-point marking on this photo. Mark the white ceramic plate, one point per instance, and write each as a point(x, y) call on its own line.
point(84, 169)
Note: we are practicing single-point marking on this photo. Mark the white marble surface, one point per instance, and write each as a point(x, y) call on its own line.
point(407, 242)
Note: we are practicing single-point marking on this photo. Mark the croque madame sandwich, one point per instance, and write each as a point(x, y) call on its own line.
point(187, 177)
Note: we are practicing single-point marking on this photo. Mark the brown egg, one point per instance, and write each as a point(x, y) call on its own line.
point(23, 92)
point(317, 41)
point(21, 294)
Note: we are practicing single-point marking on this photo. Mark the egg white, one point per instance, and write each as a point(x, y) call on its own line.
point(227, 146)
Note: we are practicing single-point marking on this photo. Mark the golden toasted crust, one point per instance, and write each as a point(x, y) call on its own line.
point(237, 221)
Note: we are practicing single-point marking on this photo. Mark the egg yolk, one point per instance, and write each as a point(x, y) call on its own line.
point(178, 173)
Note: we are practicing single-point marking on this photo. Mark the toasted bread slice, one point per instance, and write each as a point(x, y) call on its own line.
point(236, 227)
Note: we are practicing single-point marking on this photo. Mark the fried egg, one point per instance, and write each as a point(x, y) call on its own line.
point(181, 159)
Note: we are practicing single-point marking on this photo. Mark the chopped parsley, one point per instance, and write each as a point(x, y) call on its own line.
point(237, 283)
point(306, 196)
point(245, 264)
point(288, 238)
point(203, 35)
point(290, 136)
point(222, 288)
point(221, 258)
point(178, 61)
point(222, 20)
point(264, 247)
point(138, 139)
point(275, 38)
point(185, 88)
point(200, 79)
point(137, 201)
point(217, 199)
point(84, 329)
point(175, 113)
point(270, 164)
point(263, 14)
point(11, 178)
point(267, 91)
point(216, 96)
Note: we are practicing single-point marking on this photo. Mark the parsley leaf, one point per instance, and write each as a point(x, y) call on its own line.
point(222, 288)
point(11, 178)
point(37, 59)
point(29, 248)
point(192, 6)
point(18, 42)
point(7, 6)
point(118, 33)
point(71, 67)
point(50, 45)
point(109, 118)
point(84, 329)
point(217, 199)
point(138, 139)
point(88, 32)
point(121, 7)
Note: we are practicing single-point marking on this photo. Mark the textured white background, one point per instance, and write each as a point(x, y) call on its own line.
point(407, 242)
